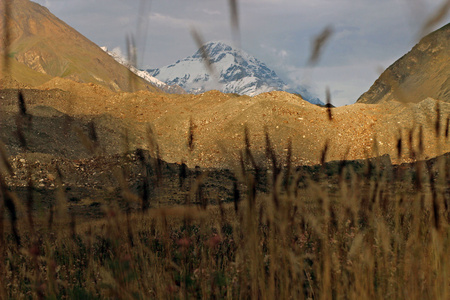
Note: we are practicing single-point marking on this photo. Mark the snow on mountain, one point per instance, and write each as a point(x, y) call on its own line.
point(234, 71)
point(117, 55)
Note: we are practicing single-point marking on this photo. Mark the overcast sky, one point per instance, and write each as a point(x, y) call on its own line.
point(368, 35)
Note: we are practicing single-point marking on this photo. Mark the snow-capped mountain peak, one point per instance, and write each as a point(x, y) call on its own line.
point(233, 71)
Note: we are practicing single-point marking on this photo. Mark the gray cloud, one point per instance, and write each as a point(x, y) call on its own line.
point(367, 34)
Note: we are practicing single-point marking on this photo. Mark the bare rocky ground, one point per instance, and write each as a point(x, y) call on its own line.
point(69, 141)
point(219, 120)
point(91, 185)
point(88, 161)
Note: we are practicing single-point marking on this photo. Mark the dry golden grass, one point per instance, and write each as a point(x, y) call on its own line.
point(350, 234)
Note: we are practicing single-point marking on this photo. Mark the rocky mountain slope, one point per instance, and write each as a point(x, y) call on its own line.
point(234, 71)
point(42, 47)
point(423, 72)
point(218, 126)
point(65, 111)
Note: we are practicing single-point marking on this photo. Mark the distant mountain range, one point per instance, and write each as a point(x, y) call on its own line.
point(233, 71)
point(43, 47)
point(421, 73)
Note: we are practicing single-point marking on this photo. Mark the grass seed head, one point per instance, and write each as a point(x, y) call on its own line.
point(437, 124)
point(191, 144)
point(329, 105)
point(399, 145)
point(319, 43)
point(447, 125)
point(323, 156)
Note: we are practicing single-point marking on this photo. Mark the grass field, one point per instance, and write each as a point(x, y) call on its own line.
point(331, 232)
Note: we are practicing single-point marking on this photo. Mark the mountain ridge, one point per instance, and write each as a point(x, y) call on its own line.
point(42, 47)
point(421, 73)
